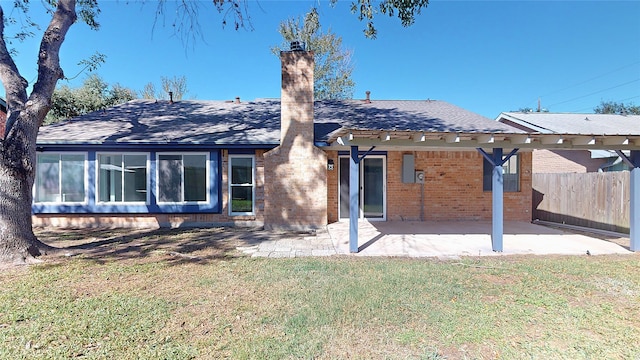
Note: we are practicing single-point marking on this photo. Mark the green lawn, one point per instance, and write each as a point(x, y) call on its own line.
point(136, 300)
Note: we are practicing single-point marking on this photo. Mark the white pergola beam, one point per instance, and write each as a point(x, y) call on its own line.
point(615, 140)
point(485, 139)
point(551, 140)
point(583, 140)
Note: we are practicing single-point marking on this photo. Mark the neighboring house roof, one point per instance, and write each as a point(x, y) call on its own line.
point(582, 124)
point(256, 122)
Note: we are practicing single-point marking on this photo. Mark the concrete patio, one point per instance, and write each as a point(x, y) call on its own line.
point(464, 238)
point(435, 239)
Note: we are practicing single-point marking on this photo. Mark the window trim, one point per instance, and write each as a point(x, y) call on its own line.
point(85, 180)
point(207, 179)
point(518, 174)
point(253, 184)
point(117, 203)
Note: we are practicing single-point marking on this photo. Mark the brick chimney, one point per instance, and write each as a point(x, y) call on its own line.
point(296, 171)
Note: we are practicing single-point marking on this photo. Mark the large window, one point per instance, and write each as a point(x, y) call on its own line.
point(182, 178)
point(122, 177)
point(241, 184)
point(60, 178)
point(510, 175)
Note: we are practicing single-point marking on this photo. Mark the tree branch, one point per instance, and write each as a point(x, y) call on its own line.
point(15, 85)
point(49, 70)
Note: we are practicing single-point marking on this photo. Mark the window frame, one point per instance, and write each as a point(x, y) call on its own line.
point(207, 179)
point(85, 175)
point(230, 185)
point(123, 202)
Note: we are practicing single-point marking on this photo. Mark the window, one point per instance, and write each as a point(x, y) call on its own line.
point(182, 178)
point(60, 178)
point(122, 178)
point(510, 171)
point(241, 184)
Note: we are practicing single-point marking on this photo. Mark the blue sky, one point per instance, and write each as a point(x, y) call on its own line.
point(485, 56)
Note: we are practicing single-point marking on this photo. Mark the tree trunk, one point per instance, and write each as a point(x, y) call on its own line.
point(18, 244)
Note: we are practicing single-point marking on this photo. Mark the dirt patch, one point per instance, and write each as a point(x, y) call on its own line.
point(174, 245)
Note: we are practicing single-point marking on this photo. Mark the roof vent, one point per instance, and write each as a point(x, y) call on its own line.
point(586, 118)
point(237, 99)
point(297, 46)
point(368, 98)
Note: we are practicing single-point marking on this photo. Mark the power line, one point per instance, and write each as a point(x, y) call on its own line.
point(593, 93)
point(586, 81)
point(591, 79)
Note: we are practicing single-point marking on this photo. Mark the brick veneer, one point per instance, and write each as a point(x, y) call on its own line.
point(452, 188)
point(296, 171)
point(565, 161)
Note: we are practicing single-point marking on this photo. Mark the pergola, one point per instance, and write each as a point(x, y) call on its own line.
point(497, 148)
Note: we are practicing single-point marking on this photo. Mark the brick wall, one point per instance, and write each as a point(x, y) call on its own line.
point(452, 189)
point(565, 161)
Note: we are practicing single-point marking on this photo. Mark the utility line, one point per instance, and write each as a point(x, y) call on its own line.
point(591, 79)
point(593, 93)
point(586, 81)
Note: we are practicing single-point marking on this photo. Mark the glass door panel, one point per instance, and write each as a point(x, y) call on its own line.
point(344, 187)
point(373, 187)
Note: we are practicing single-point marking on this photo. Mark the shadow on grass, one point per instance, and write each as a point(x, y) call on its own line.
point(172, 246)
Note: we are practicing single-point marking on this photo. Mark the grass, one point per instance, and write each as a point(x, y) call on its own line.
point(190, 294)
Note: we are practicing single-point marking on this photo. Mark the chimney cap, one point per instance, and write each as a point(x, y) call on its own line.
point(297, 46)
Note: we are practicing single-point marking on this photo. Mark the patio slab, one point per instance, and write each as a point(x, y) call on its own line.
point(459, 238)
point(445, 240)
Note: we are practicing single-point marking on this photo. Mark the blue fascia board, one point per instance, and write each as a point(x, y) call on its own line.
point(149, 147)
point(123, 209)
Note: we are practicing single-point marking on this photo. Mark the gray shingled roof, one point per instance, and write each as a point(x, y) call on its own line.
point(579, 124)
point(401, 115)
point(256, 122)
point(181, 122)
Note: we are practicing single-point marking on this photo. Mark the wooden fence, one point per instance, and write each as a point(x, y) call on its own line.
point(595, 200)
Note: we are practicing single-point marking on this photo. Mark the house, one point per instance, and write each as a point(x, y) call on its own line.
point(289, 163)
point(569, 160)
point(268, 162)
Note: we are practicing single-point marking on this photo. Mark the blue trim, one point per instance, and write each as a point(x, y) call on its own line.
point(497, 221)
point(93, 207)
point(153, 179)
point(215, 181)
point(91, 178)
point(354, 196)
point(634, 201)
point(149, 147)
